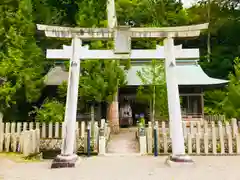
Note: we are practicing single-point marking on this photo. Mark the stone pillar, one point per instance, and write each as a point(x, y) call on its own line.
point(175, 118)
point(68, 157)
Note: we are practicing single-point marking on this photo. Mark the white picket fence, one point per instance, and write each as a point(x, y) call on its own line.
point(206, 139)
point(50, 134)
point(26, 142)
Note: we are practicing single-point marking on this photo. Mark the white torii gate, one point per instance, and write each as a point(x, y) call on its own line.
point(122, 36)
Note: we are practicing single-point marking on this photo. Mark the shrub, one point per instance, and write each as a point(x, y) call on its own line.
point(50, 111)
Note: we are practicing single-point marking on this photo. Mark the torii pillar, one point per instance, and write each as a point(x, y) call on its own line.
point(68, 156)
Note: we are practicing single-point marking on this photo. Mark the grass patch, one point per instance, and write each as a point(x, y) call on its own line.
point(19, 158)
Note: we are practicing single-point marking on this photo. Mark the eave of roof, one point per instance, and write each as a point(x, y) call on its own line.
point(188, 73)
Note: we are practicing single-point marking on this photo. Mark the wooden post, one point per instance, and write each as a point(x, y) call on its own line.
point(43, 130)
point(13, 127)
point(149, 138)
point(19, 126)
point(185, 133)
point(37, 140)
point(221, 137)
point(1, 133)
point(96, 135)
point(102, 142)
point(33, 141)
point(25, 124)
point(238, 143)
point(206, 143)
point(198, 147)
point(214, 140)
point(56, 133)
point(234, 127)
point(189, 143)
point(229, 138)
point(165, 142)
point(83, 129)
point(7, 128)
point(37, 125)
point(26, 143)
point(50, 130)
point(30, 125)
point(142, 141)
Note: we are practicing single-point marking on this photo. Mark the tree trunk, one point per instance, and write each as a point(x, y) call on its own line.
point(92, 119)
point(113, 115)
point(153, 106)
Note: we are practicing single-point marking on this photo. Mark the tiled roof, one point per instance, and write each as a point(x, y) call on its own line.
point(188, 73)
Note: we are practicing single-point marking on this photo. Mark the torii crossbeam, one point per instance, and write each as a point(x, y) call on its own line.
point(122, 36)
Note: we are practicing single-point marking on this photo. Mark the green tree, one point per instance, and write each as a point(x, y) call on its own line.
point(154, 89)
point(21, 60)
point(231, 105)
point(50, 111)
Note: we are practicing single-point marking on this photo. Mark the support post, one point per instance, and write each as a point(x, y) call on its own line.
point(102, 142)
point(68, 158)
point(142, 140)
point(175, 118)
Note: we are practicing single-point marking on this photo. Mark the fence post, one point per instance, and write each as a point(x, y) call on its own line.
point(165, 142)
point(238, 143)
point(184, 129)
point(198, 147)
point(14, 142)
point(189, 143)
point(142, 140)
point(96, 135)
point(7, 141)
point(44, 130)
point(149, 137)
point(82, 129)
point(221, 137)
point(56, 133)
point(206, 143)
point(155, 135)
point(234, 127)
point(102, 142)
point(38, 140)
point(50, 130)
point(229, 138)
point(214, 141)
point(1, 132)
point(26, 141)
point(88, 140)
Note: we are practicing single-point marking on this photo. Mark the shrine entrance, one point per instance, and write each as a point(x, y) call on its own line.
point(122, 36)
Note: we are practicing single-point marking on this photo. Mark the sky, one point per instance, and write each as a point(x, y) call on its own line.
point(188, 3)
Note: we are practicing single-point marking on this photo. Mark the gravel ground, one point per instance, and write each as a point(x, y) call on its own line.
point(126, 168)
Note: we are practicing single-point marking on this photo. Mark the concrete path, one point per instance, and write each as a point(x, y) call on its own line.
point(128, 168)
point(123, 143)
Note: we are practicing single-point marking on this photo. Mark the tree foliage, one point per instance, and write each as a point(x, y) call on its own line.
point(154, 88)
point(23, 64)
point(50, 111)
point(21, 60)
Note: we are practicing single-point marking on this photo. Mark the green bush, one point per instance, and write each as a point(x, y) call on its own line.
point(50, 111)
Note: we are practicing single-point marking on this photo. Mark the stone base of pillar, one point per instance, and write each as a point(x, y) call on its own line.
point(179, 160)
point(62, 161)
